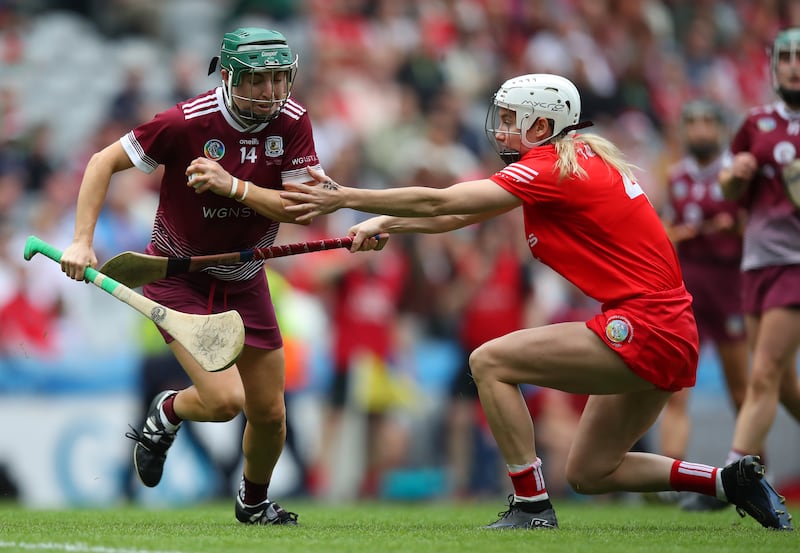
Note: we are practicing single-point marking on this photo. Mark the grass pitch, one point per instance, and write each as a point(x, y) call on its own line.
point(586, 527)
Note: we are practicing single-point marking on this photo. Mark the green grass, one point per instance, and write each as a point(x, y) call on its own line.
point(586, 527)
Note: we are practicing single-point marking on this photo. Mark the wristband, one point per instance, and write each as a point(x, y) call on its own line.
point(246, 190)
point(234, 186)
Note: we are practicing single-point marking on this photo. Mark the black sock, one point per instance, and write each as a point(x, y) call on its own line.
point(534, 507)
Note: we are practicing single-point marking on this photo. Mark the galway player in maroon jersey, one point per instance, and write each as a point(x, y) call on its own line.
point(706, 231)
point(764, 176)
point(226, 154)
point(587, 218)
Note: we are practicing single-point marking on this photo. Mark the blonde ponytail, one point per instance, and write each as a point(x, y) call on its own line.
point(568, 148)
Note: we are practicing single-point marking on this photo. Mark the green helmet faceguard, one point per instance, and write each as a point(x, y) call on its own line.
point(787, 43)
point(246, 52)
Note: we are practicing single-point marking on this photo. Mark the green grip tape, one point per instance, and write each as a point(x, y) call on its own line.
point(34, 245)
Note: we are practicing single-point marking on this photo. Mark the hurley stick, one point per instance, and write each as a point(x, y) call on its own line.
point(215, 341)
point(137, 269)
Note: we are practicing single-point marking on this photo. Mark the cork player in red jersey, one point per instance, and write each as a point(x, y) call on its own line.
point(226, 154)
point(764, 177)
point(587, 218)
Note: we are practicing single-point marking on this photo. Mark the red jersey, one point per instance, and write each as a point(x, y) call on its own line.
point(187, 223)
point(365, 313)
point(772, 134)
point(498, 307)
point(601, 232)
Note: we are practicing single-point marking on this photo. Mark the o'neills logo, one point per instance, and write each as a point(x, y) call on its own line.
point(619, 330)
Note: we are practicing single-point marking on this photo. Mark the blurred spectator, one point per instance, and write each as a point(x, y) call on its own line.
point(489, 295)
point(706, 230)
point(364, 294)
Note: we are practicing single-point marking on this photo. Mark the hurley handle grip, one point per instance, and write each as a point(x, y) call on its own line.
point(34, 245)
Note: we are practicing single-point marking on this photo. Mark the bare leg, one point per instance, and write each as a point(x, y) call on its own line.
point(566, 356)
point(675, 426)
point(600, 460)
point(262, 373)
point(790, 391)
point(214, 397)
point(776, 337)
point(735, 357)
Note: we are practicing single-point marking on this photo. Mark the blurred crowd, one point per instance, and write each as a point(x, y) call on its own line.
point(397, 91)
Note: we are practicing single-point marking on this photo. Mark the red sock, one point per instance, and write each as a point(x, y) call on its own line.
point(529, 482)
point(169, 410)
point(253, 493)
point(693, 477)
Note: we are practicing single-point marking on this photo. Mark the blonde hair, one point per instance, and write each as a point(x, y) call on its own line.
point(567, 149)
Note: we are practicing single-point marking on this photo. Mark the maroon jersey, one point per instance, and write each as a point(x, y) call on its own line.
point(772, 134)
point(695, 197)
point(187, 223)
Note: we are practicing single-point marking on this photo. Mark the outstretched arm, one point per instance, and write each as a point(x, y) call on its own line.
point(373, 233)
point(464, 198)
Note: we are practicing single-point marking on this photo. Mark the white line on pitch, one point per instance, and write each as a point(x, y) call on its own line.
point(72, 548)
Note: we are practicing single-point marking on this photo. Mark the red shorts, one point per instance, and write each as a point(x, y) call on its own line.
point(201, 294)
point(770, 287)
point(655, 335)
point(716, 289)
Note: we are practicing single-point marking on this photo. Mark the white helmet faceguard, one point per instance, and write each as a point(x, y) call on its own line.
point(531, 97)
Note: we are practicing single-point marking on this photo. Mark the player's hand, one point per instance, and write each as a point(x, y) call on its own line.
point(368, 235)
point(744, 166)
point(309, 201)
point(205, 175)
point(76, 258)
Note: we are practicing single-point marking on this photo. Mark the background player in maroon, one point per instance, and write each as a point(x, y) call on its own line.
point(225, 155)
point(706, 231)
point(587, 218)
point(765, 165)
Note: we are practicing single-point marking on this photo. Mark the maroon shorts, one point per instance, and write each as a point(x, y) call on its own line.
point(655, 335)
point(770, 287)
point(716, 290)
point(200, 294)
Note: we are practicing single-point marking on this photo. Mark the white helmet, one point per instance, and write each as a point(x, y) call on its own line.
point(531, 97)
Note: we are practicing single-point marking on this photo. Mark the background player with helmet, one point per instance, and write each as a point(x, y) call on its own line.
point(764, 176)
point(706, 231)
point(588, 219)
point(239, 141)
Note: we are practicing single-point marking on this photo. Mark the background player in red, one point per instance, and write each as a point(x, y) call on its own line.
point(225, 155)
point(706, 231)
point(588, 219)
point(764, 176)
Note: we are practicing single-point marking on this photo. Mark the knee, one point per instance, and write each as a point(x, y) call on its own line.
point(269, 414)
point(224, 405)
point(764, 384)
point(582, 479)
point(482, 362)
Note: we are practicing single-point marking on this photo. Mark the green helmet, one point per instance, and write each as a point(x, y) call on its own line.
point(787, 42)
point(251, 50)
